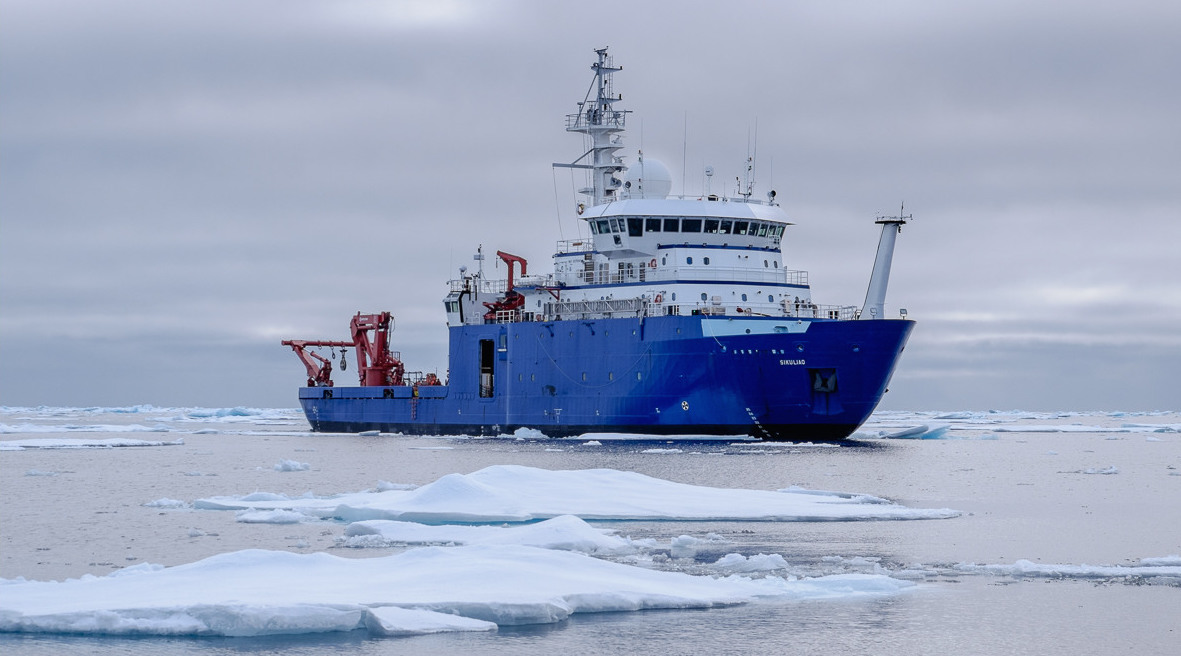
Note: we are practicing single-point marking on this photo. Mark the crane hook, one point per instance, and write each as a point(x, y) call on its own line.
point(344, 364)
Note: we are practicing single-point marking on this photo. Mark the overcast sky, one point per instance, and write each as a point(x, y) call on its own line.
point(183, 184)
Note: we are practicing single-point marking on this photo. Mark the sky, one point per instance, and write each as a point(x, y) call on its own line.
point(184, 184)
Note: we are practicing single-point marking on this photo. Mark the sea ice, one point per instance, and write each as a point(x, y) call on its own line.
point(255, 592)
point(291, 466)
point(1168, 569)
point(513, 493)
point(68, 443)
point(566, 533)
point(270, 517)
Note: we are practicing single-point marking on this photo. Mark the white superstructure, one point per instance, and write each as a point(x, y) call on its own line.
point(650, 254)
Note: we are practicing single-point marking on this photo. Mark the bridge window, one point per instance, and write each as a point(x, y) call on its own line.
point(635, 227)
point(711, 226)
point(763, 229)
point(691, 225)
point(604, 226)
point(725, 229)
point(652, 225)
point(740, 227)
point(615, 225)
point(672, 225)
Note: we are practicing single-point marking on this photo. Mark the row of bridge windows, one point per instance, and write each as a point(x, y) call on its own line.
point(636, 227)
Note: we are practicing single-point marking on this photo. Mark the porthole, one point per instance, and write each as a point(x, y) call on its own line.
point(744, 297)
point(689, 260)
point(703, 296)
point(705, 260)
point(674, 295)
point(766, 264)
point(770, 298)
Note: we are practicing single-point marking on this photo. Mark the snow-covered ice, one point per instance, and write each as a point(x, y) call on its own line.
point(1162, 570)
point(567, 533)
point(256, 592)
point(70, 443)
point(514, 493)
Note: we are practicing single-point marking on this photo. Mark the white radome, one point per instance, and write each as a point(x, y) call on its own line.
point(648, 178)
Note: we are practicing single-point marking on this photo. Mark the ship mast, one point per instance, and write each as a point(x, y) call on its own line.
point(602, 123)
point(875, 295)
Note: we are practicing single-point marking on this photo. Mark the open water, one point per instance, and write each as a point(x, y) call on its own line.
point(1061, 490)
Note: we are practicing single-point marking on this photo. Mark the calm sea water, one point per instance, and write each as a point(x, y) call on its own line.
point(1071, 489)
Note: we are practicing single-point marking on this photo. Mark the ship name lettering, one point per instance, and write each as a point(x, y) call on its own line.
point(791, 362)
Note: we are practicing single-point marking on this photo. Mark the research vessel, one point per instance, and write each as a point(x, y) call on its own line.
point(674, 316)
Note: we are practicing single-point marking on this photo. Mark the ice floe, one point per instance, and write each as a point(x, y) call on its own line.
point(514, 493)
point(68, 443)
point(1155, 570)
point(255, 592)
point(291, 466)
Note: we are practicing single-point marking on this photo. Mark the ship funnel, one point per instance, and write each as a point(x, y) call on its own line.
point(875, 296)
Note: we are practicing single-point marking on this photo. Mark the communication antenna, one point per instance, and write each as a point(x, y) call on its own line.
point(709, 176)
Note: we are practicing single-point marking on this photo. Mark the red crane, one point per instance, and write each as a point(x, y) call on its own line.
point(376, 365)
point(512, 299)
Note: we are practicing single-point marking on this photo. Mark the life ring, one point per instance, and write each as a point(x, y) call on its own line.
point(652, 263)
point(658, 299)
point(581, 208)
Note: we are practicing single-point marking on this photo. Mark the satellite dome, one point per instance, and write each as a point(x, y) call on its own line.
point(648, 178)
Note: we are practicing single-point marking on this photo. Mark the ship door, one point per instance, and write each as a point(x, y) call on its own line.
point(825, 392)
point(487, 367)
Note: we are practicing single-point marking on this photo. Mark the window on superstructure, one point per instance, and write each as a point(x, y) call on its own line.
point(711, 226)
point(763, 229)
point(725, 228)
point(652, 225)
point(672, 225)
point(635, 227)
point(691, 225)
point(740, 227)
point(615, 225)
point(604, 226)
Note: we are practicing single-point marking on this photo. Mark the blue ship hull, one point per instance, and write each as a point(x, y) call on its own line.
point(773, 378)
